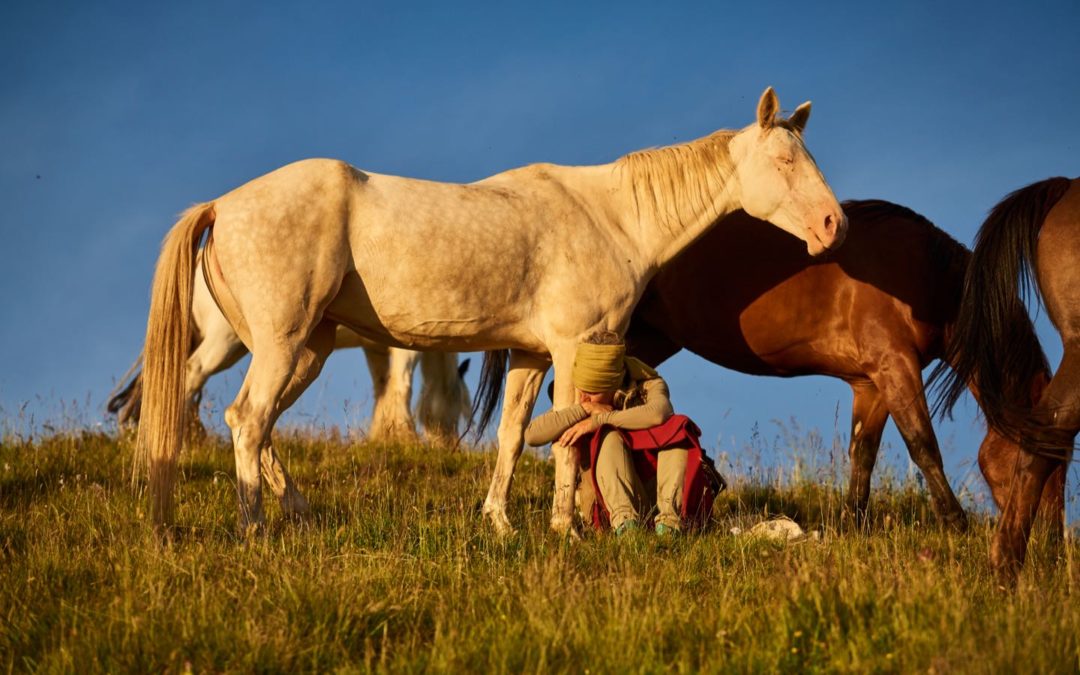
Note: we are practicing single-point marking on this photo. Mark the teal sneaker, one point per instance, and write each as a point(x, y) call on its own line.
point(627, 527)
point(663, 530)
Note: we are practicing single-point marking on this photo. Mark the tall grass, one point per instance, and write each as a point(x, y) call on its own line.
point(396, 570)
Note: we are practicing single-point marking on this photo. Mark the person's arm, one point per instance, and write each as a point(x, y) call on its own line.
point(655, 411)
point(549, 426)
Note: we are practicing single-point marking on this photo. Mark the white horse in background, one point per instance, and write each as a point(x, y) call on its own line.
point(444, 398)
point(529, 260)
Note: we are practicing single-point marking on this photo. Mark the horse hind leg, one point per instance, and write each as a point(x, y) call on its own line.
point(1059, 412)
point(868, 417)
point(278, 374)
point(308, 366)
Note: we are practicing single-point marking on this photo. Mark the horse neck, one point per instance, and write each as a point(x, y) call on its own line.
point(670, 196)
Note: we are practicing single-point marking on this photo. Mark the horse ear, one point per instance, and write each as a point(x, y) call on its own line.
point(766, 109)
point(799, 118)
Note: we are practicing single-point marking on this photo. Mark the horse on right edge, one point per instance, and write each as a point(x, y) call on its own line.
point(1032, 234)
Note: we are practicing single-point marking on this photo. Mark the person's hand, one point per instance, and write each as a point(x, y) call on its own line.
point(574, 433)
point(596, 408)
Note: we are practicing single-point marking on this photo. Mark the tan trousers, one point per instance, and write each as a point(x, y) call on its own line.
point(621, 487)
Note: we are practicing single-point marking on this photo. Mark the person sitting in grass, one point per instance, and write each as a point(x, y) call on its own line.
point(642, 462)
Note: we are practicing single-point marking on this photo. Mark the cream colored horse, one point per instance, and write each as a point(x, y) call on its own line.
point(444, 398)
point(529, 260)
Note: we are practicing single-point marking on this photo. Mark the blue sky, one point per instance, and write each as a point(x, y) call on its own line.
point(116, 116)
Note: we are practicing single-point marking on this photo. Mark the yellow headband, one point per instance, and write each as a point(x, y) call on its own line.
point(598, 368)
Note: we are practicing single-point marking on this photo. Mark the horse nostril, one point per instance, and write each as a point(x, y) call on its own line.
point(830, 225)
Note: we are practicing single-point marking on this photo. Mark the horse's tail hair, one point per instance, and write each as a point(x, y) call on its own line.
point(125, 398)
point(992, 345)
point(488, 391)
point(168, 342)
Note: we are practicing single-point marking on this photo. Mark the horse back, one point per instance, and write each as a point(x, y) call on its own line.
point(748, 297)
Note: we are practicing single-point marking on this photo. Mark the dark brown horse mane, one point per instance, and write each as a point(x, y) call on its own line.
point(948, 257)
point(994, 344)
point(876, 210)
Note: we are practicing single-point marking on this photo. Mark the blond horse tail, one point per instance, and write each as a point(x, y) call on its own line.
point(168, 342)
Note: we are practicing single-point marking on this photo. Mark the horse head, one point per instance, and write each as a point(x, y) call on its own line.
point(779, 181)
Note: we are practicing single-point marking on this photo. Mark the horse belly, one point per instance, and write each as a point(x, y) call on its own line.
point(417, 329)
point(433, 306)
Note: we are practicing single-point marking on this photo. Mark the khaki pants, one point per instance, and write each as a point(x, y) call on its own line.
point(621, 487)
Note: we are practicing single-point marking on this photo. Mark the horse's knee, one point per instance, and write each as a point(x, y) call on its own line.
point(232, 417)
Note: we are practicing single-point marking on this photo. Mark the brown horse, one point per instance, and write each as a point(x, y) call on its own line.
point(746, 298)
point(1034, 232)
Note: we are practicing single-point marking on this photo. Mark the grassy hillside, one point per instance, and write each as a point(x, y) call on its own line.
point(396, 570)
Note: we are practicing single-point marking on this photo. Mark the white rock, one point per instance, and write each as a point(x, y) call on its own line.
point(778, 529)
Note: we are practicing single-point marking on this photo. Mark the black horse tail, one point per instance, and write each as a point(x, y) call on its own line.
point(125, 399)
point(489, 390)
point(992, 344)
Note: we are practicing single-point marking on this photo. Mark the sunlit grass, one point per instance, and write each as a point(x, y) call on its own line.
point(395, 569)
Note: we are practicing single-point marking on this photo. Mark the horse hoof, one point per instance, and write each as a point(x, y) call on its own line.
point(564, 527)
point(254, 530)
point(497, 516)
point(853, 518)
point(295, 505)
point(393, 434)
point(1006, 572)
point(1006, 564)
point(957, 522)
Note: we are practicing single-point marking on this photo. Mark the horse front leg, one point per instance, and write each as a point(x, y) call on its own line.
point(899, 378)
point(523, 382)
point(566, 458)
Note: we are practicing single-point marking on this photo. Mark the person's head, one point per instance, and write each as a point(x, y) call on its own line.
point(599, 367)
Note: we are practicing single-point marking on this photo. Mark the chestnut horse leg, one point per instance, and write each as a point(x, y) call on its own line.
point(899, 377)
point(868, 416)
point(1059, 410)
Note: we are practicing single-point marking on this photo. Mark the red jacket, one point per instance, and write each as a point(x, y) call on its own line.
point(702, 483)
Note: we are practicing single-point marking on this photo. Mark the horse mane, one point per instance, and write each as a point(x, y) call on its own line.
point(666, 181)
point(948, 258)
point(994, 345)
